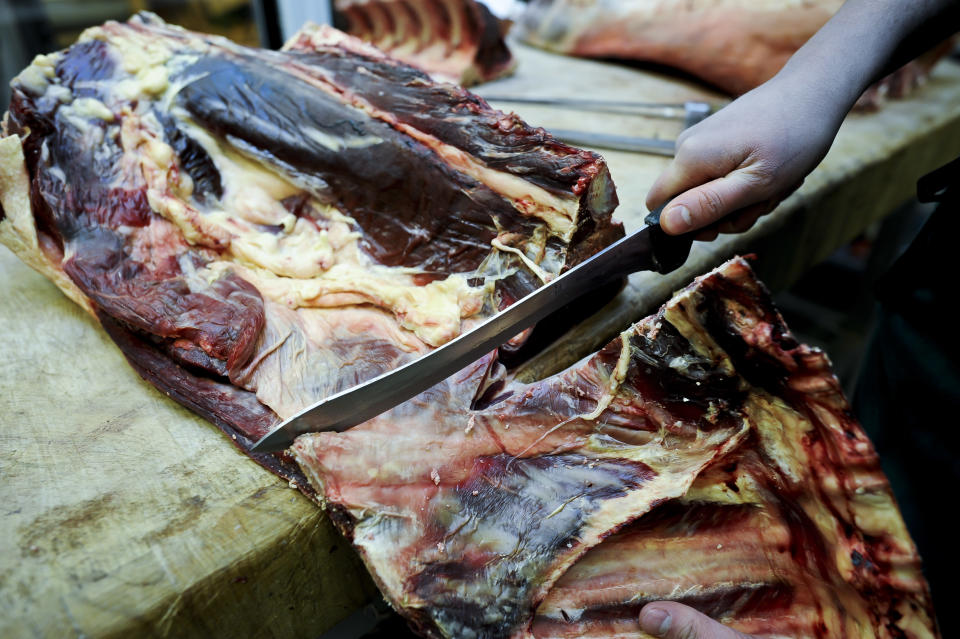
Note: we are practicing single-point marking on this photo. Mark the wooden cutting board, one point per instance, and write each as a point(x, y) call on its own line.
point(122, 514)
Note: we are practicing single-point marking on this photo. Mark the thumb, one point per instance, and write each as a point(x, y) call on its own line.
point(703, 205)
point(670, 620)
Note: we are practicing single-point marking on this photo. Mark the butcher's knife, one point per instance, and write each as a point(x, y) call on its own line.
point(648, 249)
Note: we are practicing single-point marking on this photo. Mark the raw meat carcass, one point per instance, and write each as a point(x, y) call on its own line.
point(704, 456)
point(260, 229)
point(734, 45)
point(457, 41)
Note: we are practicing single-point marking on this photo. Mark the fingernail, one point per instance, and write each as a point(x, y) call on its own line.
point(655, 621)
point(679, 217)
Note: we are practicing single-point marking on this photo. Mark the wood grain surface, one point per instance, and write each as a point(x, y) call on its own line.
point(122, 514)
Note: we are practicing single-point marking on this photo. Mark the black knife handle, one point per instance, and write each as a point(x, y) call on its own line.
point(669, 251)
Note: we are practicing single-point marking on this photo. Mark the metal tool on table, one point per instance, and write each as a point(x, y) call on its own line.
point(690, 112)
point(648, 249)
point(614, 142)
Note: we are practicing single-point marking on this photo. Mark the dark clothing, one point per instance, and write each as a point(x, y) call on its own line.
point(919, 283)
point(908, 394)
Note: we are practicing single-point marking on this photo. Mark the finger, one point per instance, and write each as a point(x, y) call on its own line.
point(744, 219)
point(736, 222)
point(681, 175)
point(696, 163)
point(667, 185)
point(670, 620)
point(707, 234)
point(705, 204)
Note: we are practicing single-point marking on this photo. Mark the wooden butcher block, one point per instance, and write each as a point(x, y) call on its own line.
point(122, 514)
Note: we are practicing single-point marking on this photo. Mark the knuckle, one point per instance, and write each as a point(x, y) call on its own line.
point(762, 169)
point(689, 146)
point(710, 202)
point(762, 174)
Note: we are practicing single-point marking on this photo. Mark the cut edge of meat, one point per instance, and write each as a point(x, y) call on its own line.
point(18, 229)
point(222, 404)
point(601, 518)
point(588, 201)
point(214, 400)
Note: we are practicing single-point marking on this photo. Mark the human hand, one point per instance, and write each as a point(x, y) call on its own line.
point(670, 620)
point(742, 161)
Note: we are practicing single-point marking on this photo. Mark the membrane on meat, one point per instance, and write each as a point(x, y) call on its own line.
point(260, 229)
point(704, 456)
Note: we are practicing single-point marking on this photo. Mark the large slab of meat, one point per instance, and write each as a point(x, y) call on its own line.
point(457, 41)
point(259, 229)
point(704, 456)
point(734, 45)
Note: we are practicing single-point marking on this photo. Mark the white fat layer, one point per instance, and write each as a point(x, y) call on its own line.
point(433, 312)
point(39, 75)
point(297, 262)
point(560, 213)
point(90, 108)
point(138, 51)
point(147, 82)
point(293, 261)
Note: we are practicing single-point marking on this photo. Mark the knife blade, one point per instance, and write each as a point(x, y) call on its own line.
point(649, 248)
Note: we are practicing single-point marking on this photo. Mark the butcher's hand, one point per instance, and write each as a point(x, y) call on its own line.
point(670, 620)
point(742, 161)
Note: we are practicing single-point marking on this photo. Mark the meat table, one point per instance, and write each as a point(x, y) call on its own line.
point(124, 514)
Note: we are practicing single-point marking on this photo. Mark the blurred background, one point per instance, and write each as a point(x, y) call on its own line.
point(30, 27)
